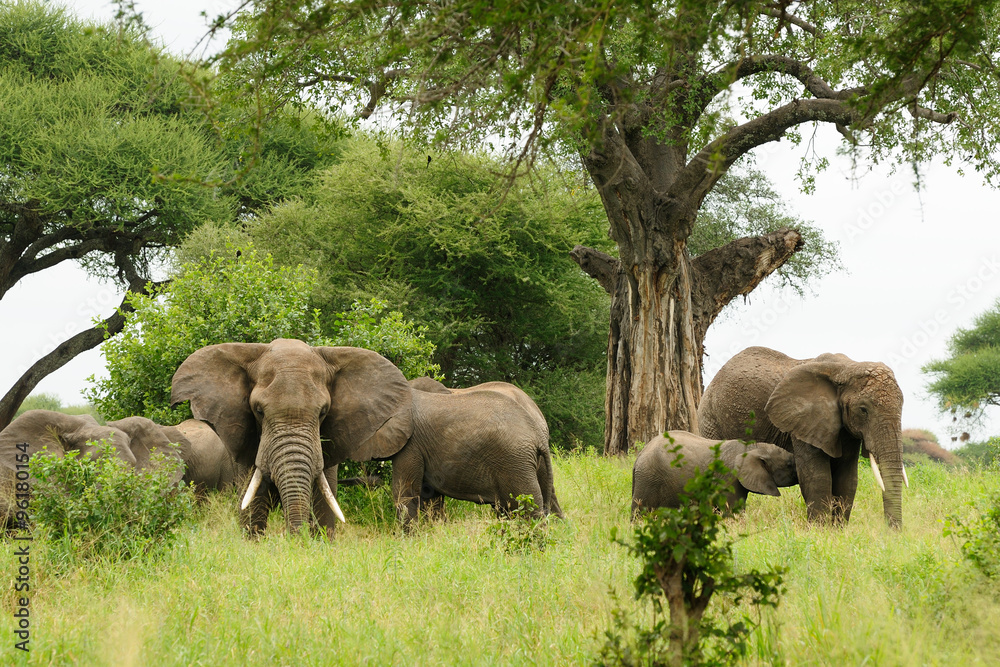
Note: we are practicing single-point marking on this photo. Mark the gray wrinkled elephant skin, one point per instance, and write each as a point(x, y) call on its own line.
point(758, 467)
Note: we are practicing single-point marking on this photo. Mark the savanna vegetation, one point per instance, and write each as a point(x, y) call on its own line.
point(430, 255)
point(655, 104)
point(452, 594)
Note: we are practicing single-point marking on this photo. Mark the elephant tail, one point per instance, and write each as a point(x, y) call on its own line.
point(550, 504)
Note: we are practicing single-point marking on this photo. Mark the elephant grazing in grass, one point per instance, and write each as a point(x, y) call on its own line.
point(821, 410)
point(292, 413)
point(658, 482)
point(484, 444)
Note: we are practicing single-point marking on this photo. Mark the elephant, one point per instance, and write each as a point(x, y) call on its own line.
point(289, 414)
point(433, 504)
point(822, 410)
point(759, 467)
point(133, 440)
point(208, 466)
point(479, 445)
point(433, 386)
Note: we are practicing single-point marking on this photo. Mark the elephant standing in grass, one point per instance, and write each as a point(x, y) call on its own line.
point(432, 504)
point(658, 482)
point(292, 413)
point(822, 410)
point(476, 444)
point(133, 440)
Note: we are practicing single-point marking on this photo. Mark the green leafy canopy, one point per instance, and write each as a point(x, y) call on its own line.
point(232, 296)
point(969, 379)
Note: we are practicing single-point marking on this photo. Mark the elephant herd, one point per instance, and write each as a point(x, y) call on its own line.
point(281, 417)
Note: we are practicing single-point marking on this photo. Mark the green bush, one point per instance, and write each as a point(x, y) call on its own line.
point(86, 508)
point(400, 341)
point(521, 532)
point(686, 559)
point(979, 536)
point(235, 296)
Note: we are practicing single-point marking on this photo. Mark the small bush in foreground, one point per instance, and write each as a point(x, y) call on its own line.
point(980, 537)
point(87, 508)
point(686, 559)
point(521, 532)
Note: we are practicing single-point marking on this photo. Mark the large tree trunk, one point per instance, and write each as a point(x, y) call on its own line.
point(659, 318)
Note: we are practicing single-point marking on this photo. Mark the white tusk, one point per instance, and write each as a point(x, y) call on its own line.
point(255, 481)
point(906, 479)
point(331, 500)
point(878, 476)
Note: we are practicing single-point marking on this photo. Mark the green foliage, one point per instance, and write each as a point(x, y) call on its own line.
point(400, 341)
point(969, 380)
point(90, 117)
point(235, 296)
point(486, 271)
point(979, 536)
point(558, 73)
point(227, 298)
point(522, 531)
point(686, 558)
point(46, 401)
point(985, 455)
point(101, 508)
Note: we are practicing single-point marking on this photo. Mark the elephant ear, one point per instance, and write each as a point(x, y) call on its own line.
point(216, 381)
point(370, 406)
point(805, 404)
point(57, 433)
point(754, 475)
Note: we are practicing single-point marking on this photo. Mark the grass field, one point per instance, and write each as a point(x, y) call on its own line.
point(449, 594)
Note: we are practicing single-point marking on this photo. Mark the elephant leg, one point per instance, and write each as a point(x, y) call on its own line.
point(254, 518)
point(815, 480)
point(845, 481)
point(506, 505)
point(407, 478)
point(326, 522)
point(431, 503)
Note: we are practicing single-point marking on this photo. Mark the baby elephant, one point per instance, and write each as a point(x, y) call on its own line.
point(657, 483)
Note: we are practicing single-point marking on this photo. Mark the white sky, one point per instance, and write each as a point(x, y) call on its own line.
point(917, 266)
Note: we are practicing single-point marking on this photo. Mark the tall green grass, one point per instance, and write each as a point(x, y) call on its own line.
point(448, 594)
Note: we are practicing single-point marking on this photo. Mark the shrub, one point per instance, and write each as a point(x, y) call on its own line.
point(980, 536)
point(86, 508)
point(686, 559)
point(400, 341)
point(521, 532)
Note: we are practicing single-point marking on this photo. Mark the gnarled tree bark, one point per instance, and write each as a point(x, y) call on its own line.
point(659, 318)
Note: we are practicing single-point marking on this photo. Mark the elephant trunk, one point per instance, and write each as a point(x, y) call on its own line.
point(886, 448)
point(293, 470)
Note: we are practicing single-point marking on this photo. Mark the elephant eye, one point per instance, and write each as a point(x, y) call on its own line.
point(864, 411)
point(323, 412)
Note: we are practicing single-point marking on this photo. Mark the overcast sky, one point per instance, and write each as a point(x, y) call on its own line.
point(917, 265)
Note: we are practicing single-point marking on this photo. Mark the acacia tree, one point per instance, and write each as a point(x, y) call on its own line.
point(102, 158)
point(969, 379)
point(656, 102)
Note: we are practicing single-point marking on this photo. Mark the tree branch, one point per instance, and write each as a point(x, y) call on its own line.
point(67, 350)
point(709, 165)
point(737, 268)
point(779, 12)
point(600, 266)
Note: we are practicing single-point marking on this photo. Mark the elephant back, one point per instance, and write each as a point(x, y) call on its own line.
point(740, 389)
